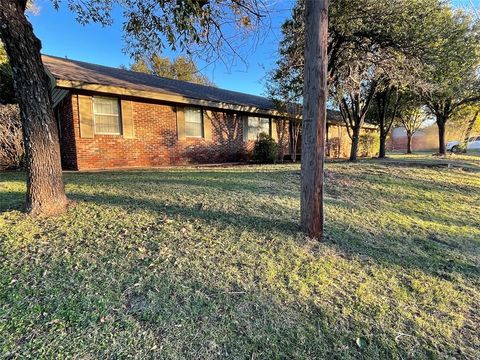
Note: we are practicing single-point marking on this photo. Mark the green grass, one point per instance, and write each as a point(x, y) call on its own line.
point(467, 162)
point(209, 263)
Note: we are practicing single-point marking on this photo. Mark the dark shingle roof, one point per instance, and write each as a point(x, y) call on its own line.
point(73, 70)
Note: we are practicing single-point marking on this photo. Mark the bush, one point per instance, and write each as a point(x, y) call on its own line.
point(11, 140)
point(368, 144)
point(265, 150)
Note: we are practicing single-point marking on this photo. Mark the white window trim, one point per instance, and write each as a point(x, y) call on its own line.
point(202, 130)
point(119, 116)
point(247, 127)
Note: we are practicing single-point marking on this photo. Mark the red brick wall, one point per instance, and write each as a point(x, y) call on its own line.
point(156, 141)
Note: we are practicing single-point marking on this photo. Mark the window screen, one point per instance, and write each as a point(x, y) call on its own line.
point(193, 122)
point(106, 114)
point(257, 125)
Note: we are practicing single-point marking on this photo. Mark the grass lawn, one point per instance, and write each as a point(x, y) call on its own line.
point(209, 263)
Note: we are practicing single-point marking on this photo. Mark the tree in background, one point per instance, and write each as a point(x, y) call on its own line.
point(354, 26)
point(464, 123)
point(148, 24)
point(354, 89)
point(285, 82)
point(403, 26)
point(383, 113)
point(284, 85)
point(180, 68)
point(412, 116)
point(362, 33)
point(453, 69)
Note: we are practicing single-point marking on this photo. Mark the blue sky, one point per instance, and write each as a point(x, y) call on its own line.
point(62, 36)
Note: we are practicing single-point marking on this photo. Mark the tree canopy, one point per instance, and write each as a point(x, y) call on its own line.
point(180, 68)
point(425, 46)
point(452, 68)
point(213, 29)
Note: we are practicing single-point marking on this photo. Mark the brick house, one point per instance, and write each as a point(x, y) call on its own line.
point(110, 117)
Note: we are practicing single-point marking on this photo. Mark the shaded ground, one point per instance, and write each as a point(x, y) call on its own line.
point(467, 162)
point(209, 263)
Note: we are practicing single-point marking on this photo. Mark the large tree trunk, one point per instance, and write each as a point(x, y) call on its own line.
point(355, 140)
point(314, 117)
point(409, 143)
point(45, 188)
point(442, 148)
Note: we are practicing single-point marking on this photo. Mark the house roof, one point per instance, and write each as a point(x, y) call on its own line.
point(87, 73)
point(73, 74)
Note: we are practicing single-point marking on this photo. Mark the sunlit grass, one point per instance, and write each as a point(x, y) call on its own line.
point(210, 263)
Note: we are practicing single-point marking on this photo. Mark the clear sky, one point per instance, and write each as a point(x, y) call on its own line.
point(62, 36)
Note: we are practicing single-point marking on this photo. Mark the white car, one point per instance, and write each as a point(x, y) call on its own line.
point(472, 144)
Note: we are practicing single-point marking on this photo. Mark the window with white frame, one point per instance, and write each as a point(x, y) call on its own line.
point(106, 115)
point(256, 126)
point(193, 122)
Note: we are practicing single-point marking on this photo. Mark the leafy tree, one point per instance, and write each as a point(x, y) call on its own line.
point(383, 113)
point(404, 26)
point(149, 24)
point(384, 41)
point(285, 82)
point(453, 69)
point(467, 120)
point(181, 68)
point(412, 117)
point(353, 92)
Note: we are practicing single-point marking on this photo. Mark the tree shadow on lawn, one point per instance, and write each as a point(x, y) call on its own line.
point(431, 255)
point(425, 254)
point(418, 199)
point(261, 224)
point(238, 321)
point(238, 181)
point(11, 200)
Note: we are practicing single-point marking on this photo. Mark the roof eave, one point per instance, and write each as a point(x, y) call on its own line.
point(158, 95)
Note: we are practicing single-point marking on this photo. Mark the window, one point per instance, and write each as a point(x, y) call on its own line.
point(106, 116)
point(257, 125)
point(193, 122)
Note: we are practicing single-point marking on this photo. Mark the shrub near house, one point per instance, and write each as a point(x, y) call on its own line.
point(265, 150)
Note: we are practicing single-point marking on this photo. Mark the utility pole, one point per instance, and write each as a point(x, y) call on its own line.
point(314, 117)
